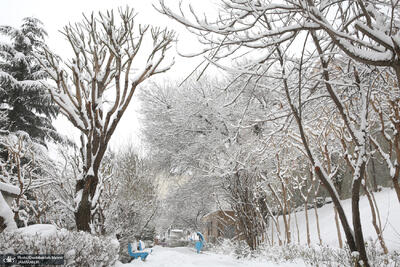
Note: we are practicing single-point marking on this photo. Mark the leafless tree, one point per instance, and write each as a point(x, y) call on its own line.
point(94, 88)
point(363, 31)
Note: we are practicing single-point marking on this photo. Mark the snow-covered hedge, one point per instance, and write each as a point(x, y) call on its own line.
point(313, 256)
point(79, 248)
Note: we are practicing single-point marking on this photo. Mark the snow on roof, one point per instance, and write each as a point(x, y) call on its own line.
point(9, 188)
point(177, 230)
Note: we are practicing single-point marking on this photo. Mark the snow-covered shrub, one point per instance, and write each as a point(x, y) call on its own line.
point(312, 256)
point(78, 248)
point(238, 249)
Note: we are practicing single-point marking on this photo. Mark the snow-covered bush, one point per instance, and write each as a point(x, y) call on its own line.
point(78, 248)
point(312, 256)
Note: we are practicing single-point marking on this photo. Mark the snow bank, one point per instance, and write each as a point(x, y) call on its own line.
point(7, 214)
point(45, 230)
point(9, 188)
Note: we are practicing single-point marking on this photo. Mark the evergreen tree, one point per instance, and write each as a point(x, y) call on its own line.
point(23, 97)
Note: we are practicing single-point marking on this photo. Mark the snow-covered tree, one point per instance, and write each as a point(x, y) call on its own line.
point(94, 88)
point(181, 123)
point(188, 200)
point(23, 97)
point(195, 130)
point(365, 33)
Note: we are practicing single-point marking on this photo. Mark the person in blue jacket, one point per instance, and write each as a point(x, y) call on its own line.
point(199, 244)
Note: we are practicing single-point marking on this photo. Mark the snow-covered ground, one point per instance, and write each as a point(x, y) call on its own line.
point(187, 257)
point(389, 209)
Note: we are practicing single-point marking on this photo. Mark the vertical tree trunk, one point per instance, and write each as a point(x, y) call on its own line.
point(355, 207)
point(272, 234)
point(307, 223)
point(317, 221)
point(396, 186)
point(339, 234)
point(378, 230)
point(374, 182)
point(297, 227)
point(86, 188)
point(342, 216)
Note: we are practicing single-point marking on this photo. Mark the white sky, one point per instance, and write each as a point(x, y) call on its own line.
point(57, 13)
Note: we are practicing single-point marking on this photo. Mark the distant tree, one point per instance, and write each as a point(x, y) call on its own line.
point(24, 99)
point(94, 88)
point(188, 201)
point(184, 126)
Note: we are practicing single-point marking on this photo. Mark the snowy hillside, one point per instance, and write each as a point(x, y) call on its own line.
point(389, 213)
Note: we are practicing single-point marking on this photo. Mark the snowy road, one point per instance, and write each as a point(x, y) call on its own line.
point(187, 257)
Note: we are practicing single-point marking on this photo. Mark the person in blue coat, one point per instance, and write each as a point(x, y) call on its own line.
point(199, 244)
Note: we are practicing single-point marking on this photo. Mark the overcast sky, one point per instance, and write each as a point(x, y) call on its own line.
point(57, 13)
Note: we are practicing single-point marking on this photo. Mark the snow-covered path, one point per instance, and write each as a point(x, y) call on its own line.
point(187, 257)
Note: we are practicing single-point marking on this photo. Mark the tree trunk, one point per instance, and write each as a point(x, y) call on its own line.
point(374, 211)
point(338, 228)
point(358, 234)
point(317, 221)
point(307, 223)
point(83, 214)
point(374, 182)
point(2, 224)
point(342, 216)
point(297, 228)
point(396, 185)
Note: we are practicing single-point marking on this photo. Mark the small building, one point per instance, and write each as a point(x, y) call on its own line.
point(219, 224)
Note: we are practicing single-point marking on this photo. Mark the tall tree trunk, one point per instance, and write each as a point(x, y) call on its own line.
point(338, 228)
point(85, 188)
point(373, 170)
point(338, 205)
point(396, 185)
point(374, 211)
point(307, 223)
point(355, 208)
point(317, 221)
point(297, 227)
